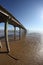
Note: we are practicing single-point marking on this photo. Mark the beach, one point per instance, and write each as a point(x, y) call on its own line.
point(28, 50)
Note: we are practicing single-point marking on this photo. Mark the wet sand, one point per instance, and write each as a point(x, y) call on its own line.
point(28, 51)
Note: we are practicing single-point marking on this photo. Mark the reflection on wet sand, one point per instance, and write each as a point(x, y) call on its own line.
point(28, 50)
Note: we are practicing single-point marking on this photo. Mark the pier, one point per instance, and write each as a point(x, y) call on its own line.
point(8, 18)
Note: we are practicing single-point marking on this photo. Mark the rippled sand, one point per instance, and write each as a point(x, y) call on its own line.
point(28, 51)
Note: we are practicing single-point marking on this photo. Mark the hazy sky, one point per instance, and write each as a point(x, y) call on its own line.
point(28, 12)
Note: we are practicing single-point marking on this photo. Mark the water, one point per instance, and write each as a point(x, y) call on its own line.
point(9, 33)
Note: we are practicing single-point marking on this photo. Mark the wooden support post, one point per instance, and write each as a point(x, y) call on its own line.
point(19, 33)
point(6, 36)
point(14, 33)
point(0, 45)
point(24, 33)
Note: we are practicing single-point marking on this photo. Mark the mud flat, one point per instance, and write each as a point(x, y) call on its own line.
point(28, 51)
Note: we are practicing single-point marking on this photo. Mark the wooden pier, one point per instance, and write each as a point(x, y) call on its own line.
point(8, 18)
